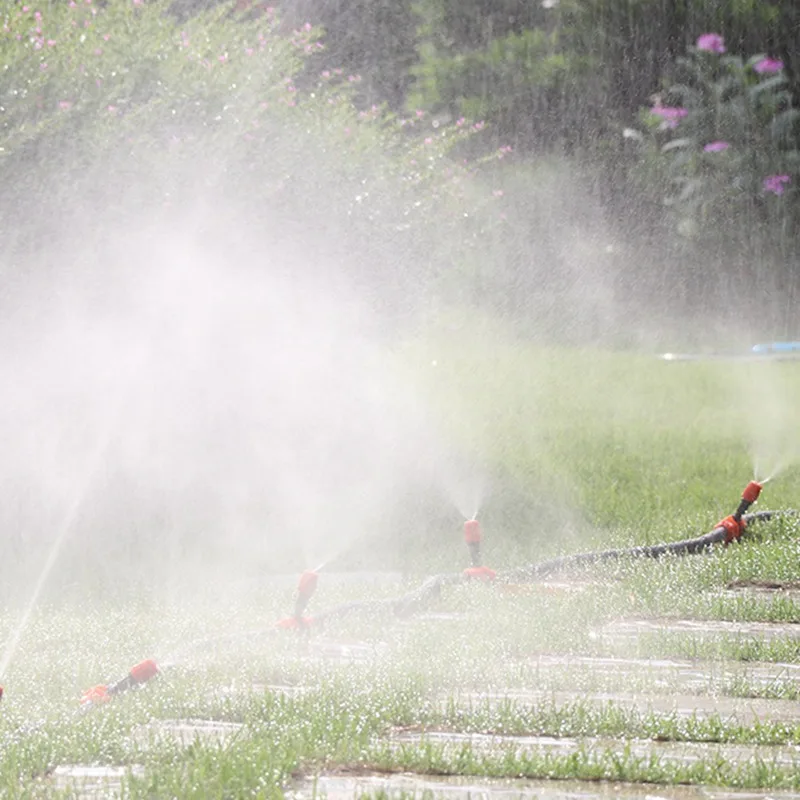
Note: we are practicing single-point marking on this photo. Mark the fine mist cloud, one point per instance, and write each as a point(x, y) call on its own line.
point(203, 401)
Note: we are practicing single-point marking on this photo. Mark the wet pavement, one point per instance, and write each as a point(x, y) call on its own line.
point(680, 753)
point(745, 711)
point(409, 785)
point(90, 782)
point(682, 674)
point(630, 629)
point(186, 732)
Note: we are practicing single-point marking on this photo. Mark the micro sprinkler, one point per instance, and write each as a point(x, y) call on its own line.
point(735, 524)
point(472, 536)
point(305, 589)
point(138, 675)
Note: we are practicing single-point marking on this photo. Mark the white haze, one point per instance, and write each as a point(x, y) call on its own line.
point(199, 406)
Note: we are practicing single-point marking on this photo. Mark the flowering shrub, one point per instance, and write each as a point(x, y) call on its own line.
point(724, 139)
point(120, 105)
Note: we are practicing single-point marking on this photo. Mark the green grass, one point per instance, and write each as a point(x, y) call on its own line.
point(585, 449)
point(624, 446)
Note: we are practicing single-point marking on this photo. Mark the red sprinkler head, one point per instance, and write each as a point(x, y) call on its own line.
point(308, 583)
point(143, 671)
point(1, 692)
point(752, 491)
point(472, 531)
point(306, 587)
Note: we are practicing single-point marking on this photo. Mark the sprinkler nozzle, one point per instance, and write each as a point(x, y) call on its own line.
point(472, 536)
point(749, 496)
point(143, 671)
point(1, 692)
point(752, 491)
point(472, 531)
point(305, 588)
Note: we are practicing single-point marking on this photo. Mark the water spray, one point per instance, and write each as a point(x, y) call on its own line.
point(139, 674)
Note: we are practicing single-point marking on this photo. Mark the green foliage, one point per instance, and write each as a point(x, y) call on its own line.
point(505, 65)
point(124, 109)
point(717, 135)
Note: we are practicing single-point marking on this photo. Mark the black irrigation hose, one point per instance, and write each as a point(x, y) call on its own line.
point(419, 598)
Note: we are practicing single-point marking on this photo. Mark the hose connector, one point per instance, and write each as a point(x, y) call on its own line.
point(480, 573)
point(294, 623)
point(95, 696)
point(733, 528)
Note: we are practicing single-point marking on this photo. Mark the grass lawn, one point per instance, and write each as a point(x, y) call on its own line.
point(582, 448)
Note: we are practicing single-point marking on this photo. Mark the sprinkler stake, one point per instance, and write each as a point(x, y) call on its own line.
point(472, 536)
point(305, 589)
point(735, 524)
point(138, 675)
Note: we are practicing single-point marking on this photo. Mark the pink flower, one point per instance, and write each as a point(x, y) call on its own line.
point(429, 140)
point(51, 42)
point(716, 147)
point(497, 193)
point(776, 183)
point(711, 43)
point(64, 105)
point(670, 114)
point(768, 66)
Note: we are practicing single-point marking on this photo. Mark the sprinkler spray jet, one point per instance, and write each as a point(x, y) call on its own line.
point(472, 536)
point(102, 693)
